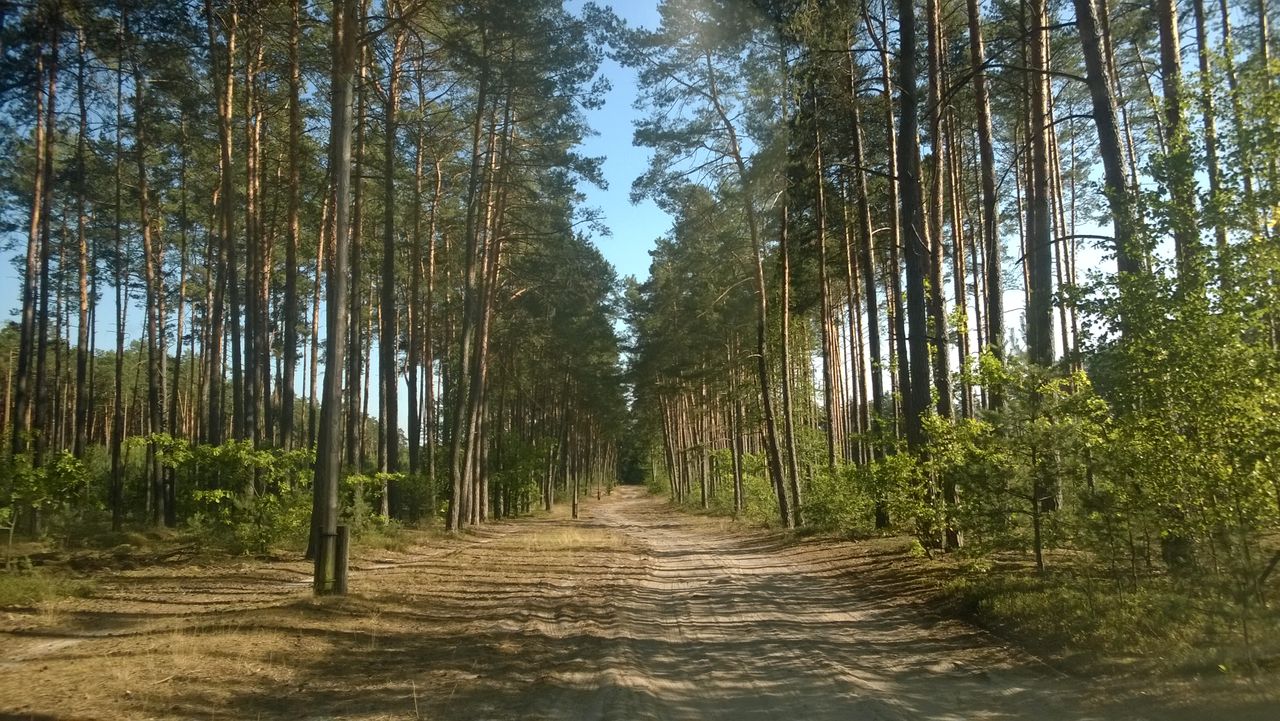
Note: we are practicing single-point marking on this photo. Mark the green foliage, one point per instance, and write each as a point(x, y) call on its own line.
point(424, 501)
point(53, 497)
point(1082, 614)
point(841, 501)
point(359, 499)
point(521, 466)
point(57, 485)
point(245, 498)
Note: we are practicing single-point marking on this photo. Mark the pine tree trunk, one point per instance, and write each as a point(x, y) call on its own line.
point(84, 391)
point(990, 203)
point(1181, 167)
point(831, 404)
point(772, 452)
point(324, 247)
point(116, 492)
point(328, 455)
point(1110, 146)
point(355, 351)
point(894, 153)
point(388, 340)
point(866, 253)
point(1039, 250)
point(458, 467)
point(225, 275)
point(287, 410)
point(152, 263)
point(912, 224)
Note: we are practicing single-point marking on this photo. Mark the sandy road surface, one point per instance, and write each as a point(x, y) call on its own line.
point(631, 612)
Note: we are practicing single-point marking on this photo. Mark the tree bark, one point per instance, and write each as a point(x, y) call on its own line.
point(912, 224)
point(1039, 249)
point(1180, 170)
point(388, 336)
point(84, 394)
point(990, 203)
point(1110, 145)
point(287, 410)
point(328, 455)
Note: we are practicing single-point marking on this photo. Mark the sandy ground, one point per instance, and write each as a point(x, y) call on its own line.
point(631, 612)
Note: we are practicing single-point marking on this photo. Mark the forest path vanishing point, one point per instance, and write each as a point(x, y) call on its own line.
point(631, 612)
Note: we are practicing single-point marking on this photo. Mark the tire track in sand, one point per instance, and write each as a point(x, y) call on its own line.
point(721, 624)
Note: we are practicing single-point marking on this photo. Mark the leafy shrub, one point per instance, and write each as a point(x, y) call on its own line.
point(841, 501)
point(56, 491)
point(245, 498)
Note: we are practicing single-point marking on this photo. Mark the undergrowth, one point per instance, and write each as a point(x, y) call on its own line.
point(30, 587)
point(1085, 622)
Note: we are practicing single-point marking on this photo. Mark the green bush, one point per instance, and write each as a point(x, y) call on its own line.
point(56, 494)
point(841, 501)
point(244, 498)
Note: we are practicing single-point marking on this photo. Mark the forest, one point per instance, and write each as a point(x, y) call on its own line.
point(1015, 297)
point(190, 211)
point(999, 277)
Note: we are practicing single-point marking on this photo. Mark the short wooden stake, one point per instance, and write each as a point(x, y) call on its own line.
point(343, 545)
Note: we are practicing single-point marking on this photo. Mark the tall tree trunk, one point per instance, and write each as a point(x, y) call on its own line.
point(990, 203)
point(287, 411)
point(152, 254)
point(1209, 123)
point(355, 354)
point(1243, 148)
point(831, 403)
point(122, 308)
point(958, 264)
point(40, 416)
point(412, 348)
point(174, 424)
point(24, 391)
point(939, 325)
point(1110, 145)
point(225, 276)
point(324, 247)
point(772, 452)
point(428, 336)
point(457, 464)
point(388, 341)
point(328, 454)
point(1180, 170)
point(912, 223)
point(866, 253)
point(896, 235)
point(784, 245)
point(254, 249)
point(84, 391)
point(1039, 250)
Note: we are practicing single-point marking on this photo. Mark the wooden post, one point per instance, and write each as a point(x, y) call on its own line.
point(342, 548)
point(325, 554)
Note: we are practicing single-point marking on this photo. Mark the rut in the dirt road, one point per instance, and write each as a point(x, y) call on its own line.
point(711, 623)
point(631, 612)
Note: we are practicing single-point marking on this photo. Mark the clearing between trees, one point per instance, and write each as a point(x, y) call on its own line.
point(630, 612)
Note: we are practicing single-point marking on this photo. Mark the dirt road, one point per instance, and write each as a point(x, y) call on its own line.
point(631, 612)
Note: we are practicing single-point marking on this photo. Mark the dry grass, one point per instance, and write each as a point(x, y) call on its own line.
point(38, 588)
point(569, 539)
point(512, 620)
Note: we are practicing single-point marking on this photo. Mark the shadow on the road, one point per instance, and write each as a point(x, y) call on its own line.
point(699, 625)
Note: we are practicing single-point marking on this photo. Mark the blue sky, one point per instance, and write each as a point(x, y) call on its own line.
point(634, 227)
